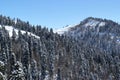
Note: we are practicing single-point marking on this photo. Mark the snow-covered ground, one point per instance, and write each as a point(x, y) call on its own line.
point(10, 30)
point(91, 23)
point(64, 29)
point(2, 63)
point(102, 24)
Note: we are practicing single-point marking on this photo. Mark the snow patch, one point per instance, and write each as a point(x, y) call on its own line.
point(2, 63)
point(55, 77)
point(10, 30)
point(92, 23)
point(2, 76)
point(102, 24)
point(47, 75)
point(64, 29)
point(118, 41)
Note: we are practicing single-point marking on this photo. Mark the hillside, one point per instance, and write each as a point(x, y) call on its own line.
point(86, 51)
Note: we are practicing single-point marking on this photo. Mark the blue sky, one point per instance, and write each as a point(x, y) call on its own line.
point(58, 13)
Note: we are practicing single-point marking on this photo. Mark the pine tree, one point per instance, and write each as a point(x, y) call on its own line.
point(14, 35)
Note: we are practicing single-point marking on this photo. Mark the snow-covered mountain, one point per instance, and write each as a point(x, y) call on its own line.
point(64, 29)
point(93, 31)
point(90, 23)
point(89, 51)
point(92, 26)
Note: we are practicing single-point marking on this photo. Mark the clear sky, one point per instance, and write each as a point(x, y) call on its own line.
point(58, 13)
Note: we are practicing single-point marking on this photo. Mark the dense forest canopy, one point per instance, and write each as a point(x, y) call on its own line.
point(90, 56)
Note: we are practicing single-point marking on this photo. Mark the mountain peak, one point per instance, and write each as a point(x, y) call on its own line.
point(94, 22)
point(93, 18)
point(90, 22)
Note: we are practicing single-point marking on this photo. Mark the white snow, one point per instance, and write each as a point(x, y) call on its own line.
point(112, 37)
point(118, 41)
point(102, 24)
point(64, 29)
point(47, 75)
point(92, 23)
point(15, 21)
point(55, 77)
point(2, 63)
point(10, 30)
point(1, 73)
point(2, 76)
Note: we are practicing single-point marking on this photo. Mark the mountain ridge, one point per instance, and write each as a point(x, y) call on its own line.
point(83, 53)
point(98, 20)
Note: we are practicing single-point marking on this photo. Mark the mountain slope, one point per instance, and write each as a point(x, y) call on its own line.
point(87, 23)
point(92, 24)
point(11, 28)
point(91, 27)
point(87, 51)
